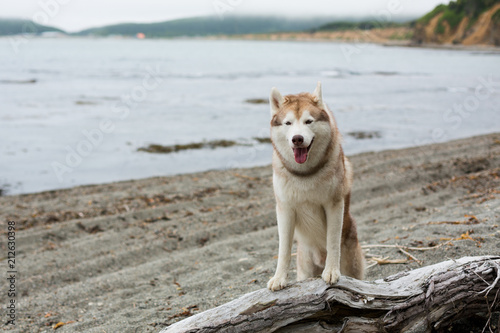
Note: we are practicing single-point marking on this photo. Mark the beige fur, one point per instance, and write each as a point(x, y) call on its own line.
point(312, 197)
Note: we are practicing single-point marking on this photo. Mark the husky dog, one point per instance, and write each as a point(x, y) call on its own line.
point(312, 184)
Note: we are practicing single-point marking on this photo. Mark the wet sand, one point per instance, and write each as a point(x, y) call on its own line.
point(139, 255)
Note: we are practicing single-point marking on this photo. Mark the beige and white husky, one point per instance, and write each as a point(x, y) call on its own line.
point(312, 185)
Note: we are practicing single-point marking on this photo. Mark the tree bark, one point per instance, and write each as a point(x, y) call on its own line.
point(422, 300)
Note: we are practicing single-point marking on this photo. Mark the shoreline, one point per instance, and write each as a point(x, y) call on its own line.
point(286, 37)
point(219, 144)
point(357, 37)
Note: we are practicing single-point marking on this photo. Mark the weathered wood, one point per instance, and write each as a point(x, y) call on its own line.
point(427, 298)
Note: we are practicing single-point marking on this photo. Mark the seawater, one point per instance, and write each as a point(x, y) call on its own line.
point(74, 111)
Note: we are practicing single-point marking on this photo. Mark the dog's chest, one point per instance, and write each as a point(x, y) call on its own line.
point(301, 191)
point(310, 224)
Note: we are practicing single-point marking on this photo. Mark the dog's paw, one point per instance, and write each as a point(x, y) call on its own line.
point(277, 283)
point(331, 276)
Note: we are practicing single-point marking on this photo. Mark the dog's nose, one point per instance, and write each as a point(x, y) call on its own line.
point(298, 140)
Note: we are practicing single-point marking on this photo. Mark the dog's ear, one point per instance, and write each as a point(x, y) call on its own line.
point(318, 95)
point(276, 101)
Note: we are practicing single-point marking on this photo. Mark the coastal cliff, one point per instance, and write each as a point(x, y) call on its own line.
point(466, 22)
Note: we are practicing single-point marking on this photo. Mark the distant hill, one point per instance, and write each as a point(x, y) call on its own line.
point(20, 26)
point(361, 25)
point(467, 22)
point(207, 26)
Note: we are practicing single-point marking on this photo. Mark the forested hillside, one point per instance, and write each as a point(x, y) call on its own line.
point(20, 26)
point(205, 26)
point(467, 22)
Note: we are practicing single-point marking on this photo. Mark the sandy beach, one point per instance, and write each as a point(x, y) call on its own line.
point(137, 256)
point(395, 36)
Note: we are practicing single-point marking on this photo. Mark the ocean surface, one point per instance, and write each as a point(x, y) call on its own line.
point(75, 111)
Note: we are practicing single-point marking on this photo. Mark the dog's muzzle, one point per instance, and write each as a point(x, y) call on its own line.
point(300, 153)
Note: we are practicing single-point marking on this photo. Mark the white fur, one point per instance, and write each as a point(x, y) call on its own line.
point(298, 127)
point(282, 139)
point(306, 206)
point(319, 94)
point(276, 100)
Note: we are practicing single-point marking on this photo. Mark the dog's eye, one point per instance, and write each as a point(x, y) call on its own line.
point(308, 121)
point(288, 123)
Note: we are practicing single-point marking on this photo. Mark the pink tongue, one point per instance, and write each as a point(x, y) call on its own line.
point(300, 155)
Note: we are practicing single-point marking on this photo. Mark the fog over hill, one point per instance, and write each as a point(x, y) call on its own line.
point(20, 26)
point(210, 25)
point(206, 26)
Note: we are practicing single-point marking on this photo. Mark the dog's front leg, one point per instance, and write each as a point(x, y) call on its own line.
point(286, 227)
point(334, 219)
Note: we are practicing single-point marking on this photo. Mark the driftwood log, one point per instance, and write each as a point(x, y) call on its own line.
point(422, 300)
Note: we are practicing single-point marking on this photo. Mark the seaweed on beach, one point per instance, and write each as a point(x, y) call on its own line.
point(4, 188)
point(29, 81)
point(160, 149)
point(80, 102)
point(263, 140)
point(257, 101)
point(361, 135)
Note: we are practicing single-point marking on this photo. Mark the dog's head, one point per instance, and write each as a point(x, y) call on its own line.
point(301, 126)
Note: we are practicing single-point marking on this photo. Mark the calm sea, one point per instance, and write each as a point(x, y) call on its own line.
point(75, 111)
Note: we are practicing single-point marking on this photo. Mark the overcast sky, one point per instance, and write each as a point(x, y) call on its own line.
point(74, 15)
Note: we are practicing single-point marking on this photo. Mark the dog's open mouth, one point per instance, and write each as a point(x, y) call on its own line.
point(300, 154)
